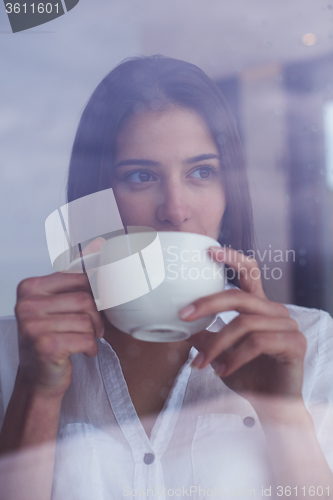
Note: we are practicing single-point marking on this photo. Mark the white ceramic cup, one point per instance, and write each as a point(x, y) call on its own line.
point(142, 278)
point(190, 273)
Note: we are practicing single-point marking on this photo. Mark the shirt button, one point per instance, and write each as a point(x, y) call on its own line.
point(249, 421)
point(149, 458)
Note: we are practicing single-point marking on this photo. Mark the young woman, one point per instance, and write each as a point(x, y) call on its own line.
point(131, 418)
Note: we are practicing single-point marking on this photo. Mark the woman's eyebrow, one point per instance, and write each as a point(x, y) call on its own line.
point(137, 161)
point(151, 163)
point(196, 159)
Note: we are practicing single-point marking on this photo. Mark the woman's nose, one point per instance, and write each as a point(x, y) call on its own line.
point(173, 207)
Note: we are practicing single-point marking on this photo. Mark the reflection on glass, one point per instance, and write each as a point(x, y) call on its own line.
point(328, 131)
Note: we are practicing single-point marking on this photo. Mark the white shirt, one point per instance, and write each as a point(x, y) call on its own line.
point(207, 441)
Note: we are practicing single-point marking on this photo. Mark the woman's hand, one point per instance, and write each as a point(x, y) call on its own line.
point(56, 317)
point(261, 351)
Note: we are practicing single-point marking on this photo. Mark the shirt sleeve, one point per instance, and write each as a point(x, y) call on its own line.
point(320, 404)
point(9, 360)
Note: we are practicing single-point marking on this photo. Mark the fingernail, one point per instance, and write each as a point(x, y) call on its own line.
point(186, 311)
point(198, 360)
point(101, 333)
point(220, 369)
point(219, 253)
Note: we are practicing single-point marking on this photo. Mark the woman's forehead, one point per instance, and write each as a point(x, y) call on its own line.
point(178, 128)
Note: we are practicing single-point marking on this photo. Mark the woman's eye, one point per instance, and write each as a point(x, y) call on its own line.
point(139, 177)
point(203, 172)
point(144, 176)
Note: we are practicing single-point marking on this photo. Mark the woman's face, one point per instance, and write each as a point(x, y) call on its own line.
point(167, 173)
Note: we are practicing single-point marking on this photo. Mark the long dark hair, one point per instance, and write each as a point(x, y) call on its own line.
point(154, 83)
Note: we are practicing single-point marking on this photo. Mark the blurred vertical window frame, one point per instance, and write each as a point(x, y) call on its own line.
point(328, 132)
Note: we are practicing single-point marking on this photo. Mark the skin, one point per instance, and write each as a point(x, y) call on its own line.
point(162, 180)
point(159, 179)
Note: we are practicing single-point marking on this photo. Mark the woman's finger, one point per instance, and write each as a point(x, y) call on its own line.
point(92, 247)
point(232, 300)
point(56, 283)
point(285, 347)
point(240, 327)
point(57, 323)
point(64, 303)
point(56, 349)
point(247, 269)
